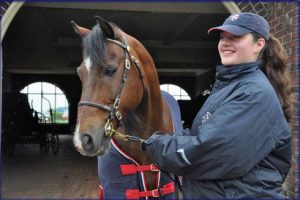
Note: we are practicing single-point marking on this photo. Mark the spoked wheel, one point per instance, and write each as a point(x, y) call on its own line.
point(45, 143)
point(55, 144)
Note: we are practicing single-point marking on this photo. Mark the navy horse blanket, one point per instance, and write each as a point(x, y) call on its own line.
point(122, 177)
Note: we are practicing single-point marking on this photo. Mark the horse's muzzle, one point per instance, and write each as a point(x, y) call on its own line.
point(90, 144)
point(87, 142)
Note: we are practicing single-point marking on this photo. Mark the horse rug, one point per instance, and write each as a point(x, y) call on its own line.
point(122, 177)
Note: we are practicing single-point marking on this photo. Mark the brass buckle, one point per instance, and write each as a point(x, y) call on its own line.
point(118, 115)
point(152, 168)
point(117, 103)
point(153, 193)
point(128, 48)
point(108, 128)
point(127, 64)
point(134, 59)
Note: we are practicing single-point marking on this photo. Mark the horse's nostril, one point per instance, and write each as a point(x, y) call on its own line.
point(87, 142)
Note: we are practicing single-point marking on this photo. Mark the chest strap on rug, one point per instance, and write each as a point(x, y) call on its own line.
point(136, 194)
point(133, 169)
point(100, 194)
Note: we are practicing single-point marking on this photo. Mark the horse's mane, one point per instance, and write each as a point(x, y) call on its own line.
point(93, 46)
point(134, 123)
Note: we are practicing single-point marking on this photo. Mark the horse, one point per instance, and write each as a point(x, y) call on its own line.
point(121, 104)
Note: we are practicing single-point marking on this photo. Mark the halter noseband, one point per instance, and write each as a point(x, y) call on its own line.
point(113, 112)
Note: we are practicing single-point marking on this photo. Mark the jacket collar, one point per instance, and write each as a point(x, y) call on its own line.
point(227, 73)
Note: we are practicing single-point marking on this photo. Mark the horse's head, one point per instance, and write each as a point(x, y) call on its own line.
point(112, 85)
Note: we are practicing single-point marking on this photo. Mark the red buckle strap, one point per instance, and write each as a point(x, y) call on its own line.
point(133, 169)
point(136, 194)
point(100, 194)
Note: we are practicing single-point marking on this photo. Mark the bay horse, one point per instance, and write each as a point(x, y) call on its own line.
point(121, 103)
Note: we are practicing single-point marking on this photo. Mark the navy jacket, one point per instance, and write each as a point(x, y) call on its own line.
point(239, 145)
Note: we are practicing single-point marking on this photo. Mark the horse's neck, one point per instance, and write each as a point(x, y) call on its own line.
point(153, 109)
point(159, 117)
point(151, 115)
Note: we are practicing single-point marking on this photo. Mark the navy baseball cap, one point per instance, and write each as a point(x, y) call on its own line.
point(243, 23)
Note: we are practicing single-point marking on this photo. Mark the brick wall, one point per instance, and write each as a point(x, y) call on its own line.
point(283, 19)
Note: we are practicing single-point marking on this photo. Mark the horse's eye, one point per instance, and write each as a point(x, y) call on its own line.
point(110, 71)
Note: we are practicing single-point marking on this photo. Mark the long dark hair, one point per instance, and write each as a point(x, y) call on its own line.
point(274, 65)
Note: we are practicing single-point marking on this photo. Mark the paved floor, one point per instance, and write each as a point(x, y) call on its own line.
point(33, 174)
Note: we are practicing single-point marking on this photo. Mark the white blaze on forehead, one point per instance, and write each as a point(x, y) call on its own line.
point(88, 63)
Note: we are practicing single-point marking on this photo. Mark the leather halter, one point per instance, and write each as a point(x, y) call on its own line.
point(113, 112)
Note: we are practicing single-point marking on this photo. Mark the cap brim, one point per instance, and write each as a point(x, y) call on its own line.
point(233, 29)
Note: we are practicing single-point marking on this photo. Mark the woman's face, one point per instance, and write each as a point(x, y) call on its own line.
point(239, 49)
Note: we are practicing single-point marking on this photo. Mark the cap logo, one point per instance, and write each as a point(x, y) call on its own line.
point(234, 17)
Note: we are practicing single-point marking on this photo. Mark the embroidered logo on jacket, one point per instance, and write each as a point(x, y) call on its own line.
point(206, 117)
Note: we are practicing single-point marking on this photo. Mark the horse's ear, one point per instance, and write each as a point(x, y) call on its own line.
point(80, 30)
point(106, 27)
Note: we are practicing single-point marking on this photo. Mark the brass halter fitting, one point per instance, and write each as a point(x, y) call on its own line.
point(134, 59)
point(110, 132)
point(128, 48)
point(108, 128)
point(127, 64)
point(118, 115)
point(117, 103)
point(116, 106)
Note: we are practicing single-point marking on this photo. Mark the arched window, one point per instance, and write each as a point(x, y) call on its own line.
point(45, 98)
point(177, 92)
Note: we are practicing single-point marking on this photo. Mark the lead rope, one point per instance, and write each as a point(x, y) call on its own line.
point(111, 132)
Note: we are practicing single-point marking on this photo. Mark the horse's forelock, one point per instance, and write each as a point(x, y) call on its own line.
point(94, 46)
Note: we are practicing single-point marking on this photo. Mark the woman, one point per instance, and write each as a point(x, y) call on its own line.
point(239, 145)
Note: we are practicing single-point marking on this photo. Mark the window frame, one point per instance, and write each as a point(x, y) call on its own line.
point(182, 95)
point(47, 102)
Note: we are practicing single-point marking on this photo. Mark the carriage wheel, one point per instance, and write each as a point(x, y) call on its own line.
point(55, 144)
point(47, 147)
point(42, 143)
point(46, 143)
